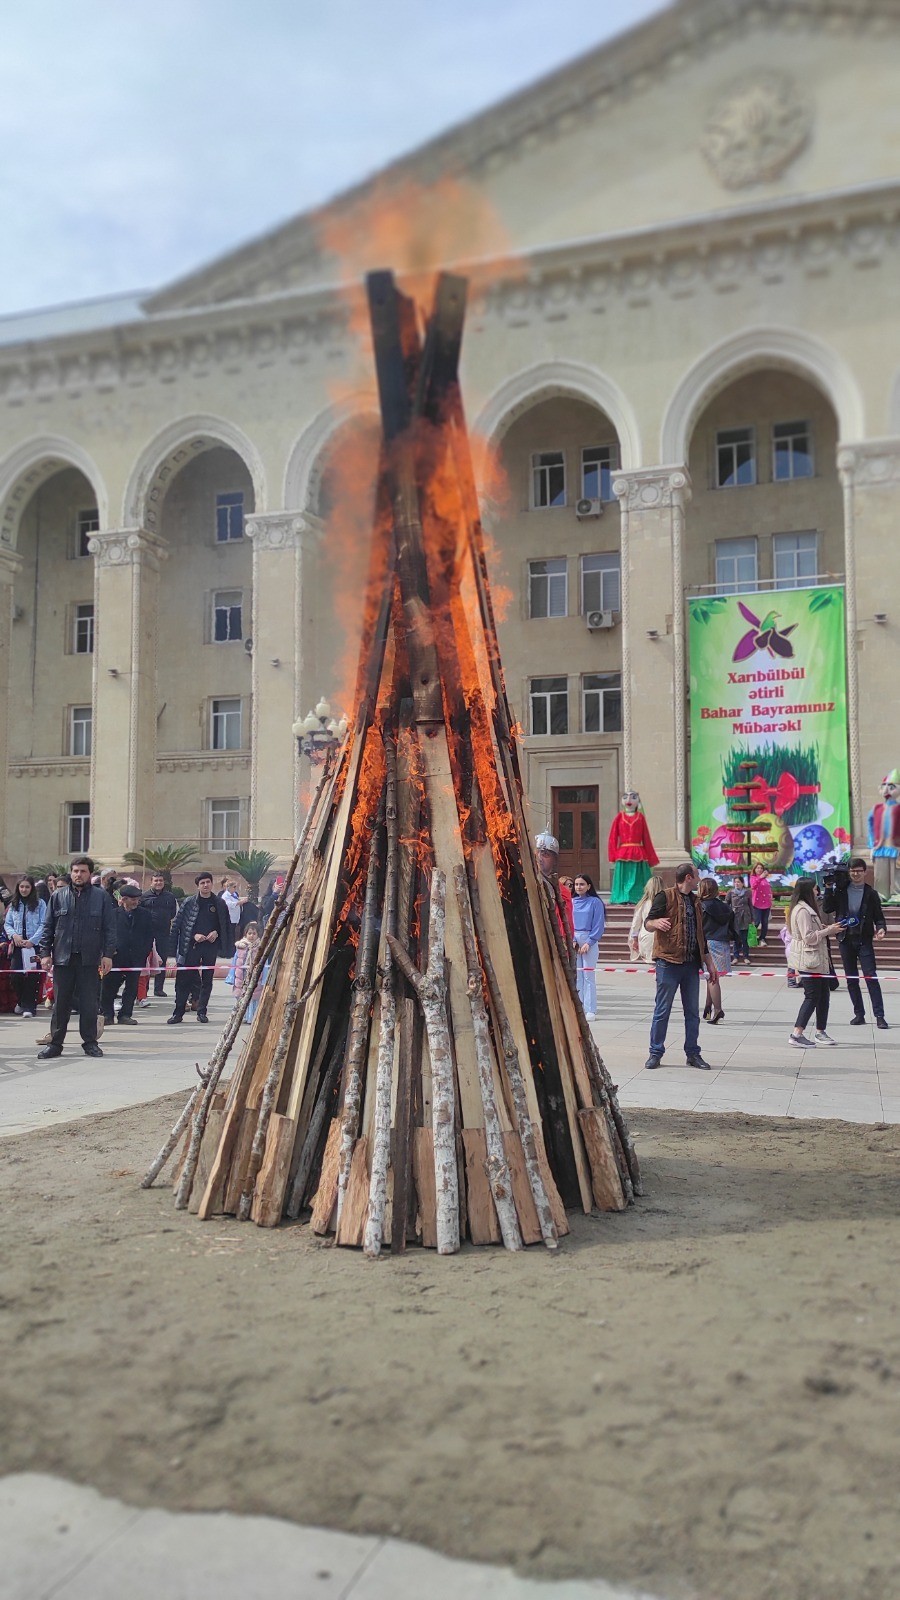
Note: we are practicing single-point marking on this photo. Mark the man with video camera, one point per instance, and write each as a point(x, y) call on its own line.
point(849, 899)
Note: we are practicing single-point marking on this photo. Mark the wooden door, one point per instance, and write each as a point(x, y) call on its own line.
point(576, 824)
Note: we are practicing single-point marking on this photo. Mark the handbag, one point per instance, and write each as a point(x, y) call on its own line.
point(753, 936)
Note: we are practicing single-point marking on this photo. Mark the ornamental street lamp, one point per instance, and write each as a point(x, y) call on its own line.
point(319, 735)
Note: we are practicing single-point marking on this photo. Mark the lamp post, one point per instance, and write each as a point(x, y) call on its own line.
point(319, 735)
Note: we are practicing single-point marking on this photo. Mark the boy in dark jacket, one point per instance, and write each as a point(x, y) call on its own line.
point(858, 899)
point(199, 934)
point(78, 940)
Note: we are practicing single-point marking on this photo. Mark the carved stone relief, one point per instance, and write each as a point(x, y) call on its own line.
point(756, 129)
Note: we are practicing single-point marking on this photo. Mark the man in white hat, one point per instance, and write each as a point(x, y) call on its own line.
point(547, 849)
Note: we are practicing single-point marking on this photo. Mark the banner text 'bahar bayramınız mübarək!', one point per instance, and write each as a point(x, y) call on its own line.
point(768, 686)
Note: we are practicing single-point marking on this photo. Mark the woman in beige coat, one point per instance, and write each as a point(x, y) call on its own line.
point(808, 955)
point(640, 939)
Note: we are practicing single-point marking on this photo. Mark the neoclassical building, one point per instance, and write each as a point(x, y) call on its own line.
point(682, 349)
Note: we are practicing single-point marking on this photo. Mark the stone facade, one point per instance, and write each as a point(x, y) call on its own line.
point(673, 244)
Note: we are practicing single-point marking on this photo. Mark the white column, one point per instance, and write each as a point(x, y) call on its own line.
point(10, 564)
point(279, 541)
point(654, 660)
point(123, 768)
point(870, 479)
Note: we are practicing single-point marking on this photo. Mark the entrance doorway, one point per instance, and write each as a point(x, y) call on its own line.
point(576, 824)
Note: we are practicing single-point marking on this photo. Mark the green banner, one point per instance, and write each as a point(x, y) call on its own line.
point(769, 731)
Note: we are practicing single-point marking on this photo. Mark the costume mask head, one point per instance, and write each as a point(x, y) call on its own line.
point(890, 787)
point(631, 802)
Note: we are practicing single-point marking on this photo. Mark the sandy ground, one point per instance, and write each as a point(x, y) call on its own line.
point(701, 1396)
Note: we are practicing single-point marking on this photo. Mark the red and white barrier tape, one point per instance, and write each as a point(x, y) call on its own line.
point(756, 972)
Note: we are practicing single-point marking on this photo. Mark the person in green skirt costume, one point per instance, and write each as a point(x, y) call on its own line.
point(631, 851)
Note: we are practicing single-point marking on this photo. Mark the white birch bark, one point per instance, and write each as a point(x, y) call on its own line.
point(431, 990)
point(381, 1133)
point(496, 1166)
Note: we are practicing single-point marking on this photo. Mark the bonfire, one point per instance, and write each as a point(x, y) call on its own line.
point(419, 1068)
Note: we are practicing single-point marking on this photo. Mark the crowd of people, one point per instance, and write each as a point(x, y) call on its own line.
point(696, 930)
point(91, 943)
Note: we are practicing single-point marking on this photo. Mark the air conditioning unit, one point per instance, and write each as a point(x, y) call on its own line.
point(599, 619)
point(588, 508)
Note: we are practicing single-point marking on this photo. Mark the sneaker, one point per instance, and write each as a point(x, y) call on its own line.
point(698, 1061)
point(800, 1041)
point(879, 1022)
point(33, 1014)
point(858, 1022)
point(652, 1062)
point(590, 1016)
point(824, 1038)
point(143, 1002)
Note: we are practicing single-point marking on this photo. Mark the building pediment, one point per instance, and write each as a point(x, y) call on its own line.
point(682, 116)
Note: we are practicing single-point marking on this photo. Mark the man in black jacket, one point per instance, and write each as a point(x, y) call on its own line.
point(162, 906)
point(78, 940)
point(134, 938)
point(199, 934)
point(858, 899)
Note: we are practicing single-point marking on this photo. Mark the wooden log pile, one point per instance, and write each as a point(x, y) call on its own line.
point(419, 1068)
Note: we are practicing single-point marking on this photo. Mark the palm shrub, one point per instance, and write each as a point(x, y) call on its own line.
point(252, 865)
point(164, 858)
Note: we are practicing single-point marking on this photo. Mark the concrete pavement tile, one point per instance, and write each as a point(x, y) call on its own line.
point(890, 1105)
point(49, 1529)
point(204, 1556)
point(408, 1572)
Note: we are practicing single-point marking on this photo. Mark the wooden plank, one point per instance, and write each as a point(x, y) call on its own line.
point(448, 852)
point(607, 1184)
point(356, 1201)
point(241, 1162)
point(212, 1194)
point(325, 1198)
point(208, 1148)
point(521, 1188)
point(557, 1208)
point(271, 1178)
point(483, 1225)
point(423, 1172)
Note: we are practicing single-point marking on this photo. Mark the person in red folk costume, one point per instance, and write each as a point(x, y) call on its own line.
point(547, 849)
point(630, 852)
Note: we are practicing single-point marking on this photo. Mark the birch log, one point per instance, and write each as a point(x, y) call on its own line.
point(549, 1231)
point(431, 989)
point(495, 1166)
point(361, 1006)
point(156, 1167)
point(381, 1138)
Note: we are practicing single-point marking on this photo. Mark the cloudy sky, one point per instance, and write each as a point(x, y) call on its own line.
point(141, 138)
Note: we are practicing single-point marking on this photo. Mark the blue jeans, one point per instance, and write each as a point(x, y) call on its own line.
point(670, 977)
point(585, 972)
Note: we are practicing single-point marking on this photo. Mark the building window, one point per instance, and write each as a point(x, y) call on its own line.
point(735, 565)
point(796, 559)
point(549, 705)
point(602, 702)
point(78, 826)
point(548, 588)
point(227, 615)
point(81, 728)
point(598, 463)
point(791, 451)
point(601, 582)
point(224, 827)
point(86, 524)
point(83, 630)
point(735, 457)
point(226, 725)
point(229, 517)
point(548, 479)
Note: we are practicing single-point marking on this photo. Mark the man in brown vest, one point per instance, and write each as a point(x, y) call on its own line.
point(679, 950)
